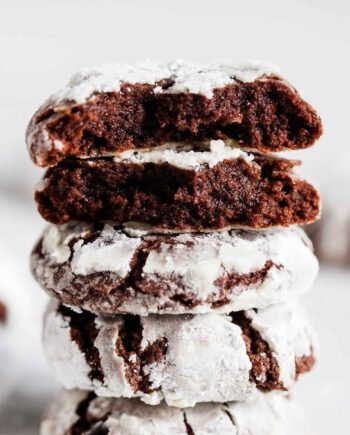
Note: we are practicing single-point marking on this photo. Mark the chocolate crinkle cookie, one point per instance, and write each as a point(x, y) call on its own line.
point(180, 190)
point(182, 359)
point(112, 108)
point(79, 412)
point(109, 269)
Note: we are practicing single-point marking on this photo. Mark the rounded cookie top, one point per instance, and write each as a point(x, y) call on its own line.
point(162, 357)
point(109, 269)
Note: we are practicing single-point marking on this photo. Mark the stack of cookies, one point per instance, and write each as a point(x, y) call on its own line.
point(174, 257)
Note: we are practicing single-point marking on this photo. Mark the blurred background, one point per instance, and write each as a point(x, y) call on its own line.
point(43, 42)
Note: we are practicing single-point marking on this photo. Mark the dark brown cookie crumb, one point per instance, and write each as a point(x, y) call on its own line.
point(234, 192)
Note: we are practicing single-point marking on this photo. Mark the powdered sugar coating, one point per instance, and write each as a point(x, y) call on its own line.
point(67, 359)
point(186, 159)
point(205, 358)
point(274, 327)
point(183, 375)
point(272, 414)
point(198, 266)
point(190, 77)
point(112, 251)
point(62, 413)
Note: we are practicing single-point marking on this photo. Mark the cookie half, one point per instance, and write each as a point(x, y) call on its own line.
point(180, 190)
point(79, 412)
point(182, 359)
point(113, 108)
point(110, 270)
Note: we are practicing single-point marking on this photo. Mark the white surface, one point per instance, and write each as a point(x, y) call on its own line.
point(43, 42)
point(324, 394)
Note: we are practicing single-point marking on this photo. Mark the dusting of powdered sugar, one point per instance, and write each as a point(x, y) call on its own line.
point(55, 244)
point(112, 251)
point(268, 414)
point(288, 334)
point(189, 77)
point(62, 414)
point(191, 263)
point(68, 362)
point(115, 382)
point(184, 366)
point(265, 414)
point(41, 185)
point(183, 376)
point(200, 261)
point(188, 159)
point(203, 79)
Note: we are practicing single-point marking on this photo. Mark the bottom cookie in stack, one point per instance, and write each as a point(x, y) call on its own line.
point(79, 412)
point(182, 359)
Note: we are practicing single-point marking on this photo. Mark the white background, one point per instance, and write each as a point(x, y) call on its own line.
point(43, 42)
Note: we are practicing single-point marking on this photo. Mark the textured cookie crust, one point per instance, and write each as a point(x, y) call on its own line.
point(331, 235)
point(104, 269)
point(112, 108)
point(78, 412)
point(181, 359)
point(249, 191)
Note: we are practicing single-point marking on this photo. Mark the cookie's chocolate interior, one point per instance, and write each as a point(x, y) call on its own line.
point(233, 192)
point(267, 115)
